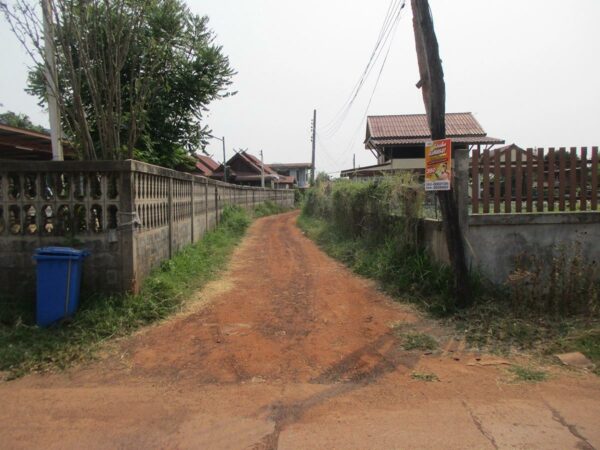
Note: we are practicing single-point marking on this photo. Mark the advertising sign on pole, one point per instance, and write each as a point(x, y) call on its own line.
point(438, 165)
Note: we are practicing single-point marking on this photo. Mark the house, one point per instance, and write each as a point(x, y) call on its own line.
point(22, 144)
point(299, 171)
point(398, 141)
point(205, 165)
point(245, 169)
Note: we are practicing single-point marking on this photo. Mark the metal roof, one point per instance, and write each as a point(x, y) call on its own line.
point(414, 129)
point(423, 140)
point(19, 143)
point(290, 165)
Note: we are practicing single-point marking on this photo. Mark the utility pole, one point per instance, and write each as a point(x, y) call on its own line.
point(51, 83)
point(262, 170)
point(224, 161)
point(314, 141)
point(354, 160)
point(434, 96)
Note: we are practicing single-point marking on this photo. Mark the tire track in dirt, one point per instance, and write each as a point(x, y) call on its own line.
point(293, 314)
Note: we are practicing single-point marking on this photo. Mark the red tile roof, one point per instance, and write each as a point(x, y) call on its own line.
point(413, 129)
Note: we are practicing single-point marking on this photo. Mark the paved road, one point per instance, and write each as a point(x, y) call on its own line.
point(290, 350)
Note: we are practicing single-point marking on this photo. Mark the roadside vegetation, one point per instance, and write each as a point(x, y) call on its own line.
point(373, 227)
point(24, 347)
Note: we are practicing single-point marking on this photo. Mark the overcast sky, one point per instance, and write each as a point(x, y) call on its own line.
point(528, 70)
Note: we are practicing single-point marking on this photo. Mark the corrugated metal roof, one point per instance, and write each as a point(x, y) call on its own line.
point(415, 125)
point(291, 165)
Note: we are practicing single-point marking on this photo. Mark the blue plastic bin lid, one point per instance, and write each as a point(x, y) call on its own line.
point(61, 251)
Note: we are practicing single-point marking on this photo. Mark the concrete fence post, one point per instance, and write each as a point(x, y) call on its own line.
point(126, 230)
point(192, 209)
point(461, 192)
point(170, 215)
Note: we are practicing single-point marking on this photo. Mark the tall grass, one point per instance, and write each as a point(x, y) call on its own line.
point(373, 227)
point(25, 347)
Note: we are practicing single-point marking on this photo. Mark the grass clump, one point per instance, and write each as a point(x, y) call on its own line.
point(528, 374)
point(25, 347)
point(268, 208)
point(424, 376)
point(418, 341)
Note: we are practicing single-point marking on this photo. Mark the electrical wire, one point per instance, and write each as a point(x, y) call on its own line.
point(388, 28)
point(360, 124)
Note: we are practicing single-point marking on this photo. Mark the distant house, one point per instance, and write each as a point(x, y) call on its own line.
point(398, 141)
point(299, 171)
point(245, 169)
point(205, 165)
point(22, 144)
point(511, 150)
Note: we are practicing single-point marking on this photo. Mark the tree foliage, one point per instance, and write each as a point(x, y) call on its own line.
point(134, 76)
point(20, 121)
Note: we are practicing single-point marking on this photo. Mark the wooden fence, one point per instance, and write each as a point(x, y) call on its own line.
point(552, 180)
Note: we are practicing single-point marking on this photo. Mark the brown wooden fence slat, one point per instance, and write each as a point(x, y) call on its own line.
point(540, 180)
point(486, 181)
point(583, 180)
point(562, 181)
point(529, 180)
point(594, 193)
point(497, 181)
point(475, 182)
point(573, 179)
point(518, 182)
point(507, 182)
point(551, 179)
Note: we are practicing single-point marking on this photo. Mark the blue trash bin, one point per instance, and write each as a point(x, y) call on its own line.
point(58, 283)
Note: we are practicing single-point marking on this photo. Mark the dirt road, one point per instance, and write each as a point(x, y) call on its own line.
point(290, 350)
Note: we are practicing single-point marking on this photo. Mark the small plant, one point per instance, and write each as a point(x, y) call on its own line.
point(424, 376)
point(528, 374)
point(418, 341)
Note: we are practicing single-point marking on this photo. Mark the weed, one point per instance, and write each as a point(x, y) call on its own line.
point(424, 376)
point(528, 374)
point(418, 341)
point(268, 208)
point(25, 347)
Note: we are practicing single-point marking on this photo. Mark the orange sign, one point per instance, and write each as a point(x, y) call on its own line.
point(438, 165)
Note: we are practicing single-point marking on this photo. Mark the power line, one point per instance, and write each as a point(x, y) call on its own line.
point(388, 27)
point(376, 84)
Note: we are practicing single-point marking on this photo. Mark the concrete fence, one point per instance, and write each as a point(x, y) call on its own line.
point(130, 215)
point(494, 240)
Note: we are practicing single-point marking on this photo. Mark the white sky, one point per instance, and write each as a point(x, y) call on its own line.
point(528, 69)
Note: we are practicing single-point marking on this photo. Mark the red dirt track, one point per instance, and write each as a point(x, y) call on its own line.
point(291, 350)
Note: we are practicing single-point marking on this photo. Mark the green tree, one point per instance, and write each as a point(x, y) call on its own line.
point(135, 76)
point(322, 177)
point(20, 121)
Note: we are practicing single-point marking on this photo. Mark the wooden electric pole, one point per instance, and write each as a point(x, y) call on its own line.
point(434, 97)
point(314, 141)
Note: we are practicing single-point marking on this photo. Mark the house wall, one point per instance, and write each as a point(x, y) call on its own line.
point(131, 216)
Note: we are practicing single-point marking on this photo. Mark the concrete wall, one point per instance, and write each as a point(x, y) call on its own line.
point(494, 241)
point(130, 215)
